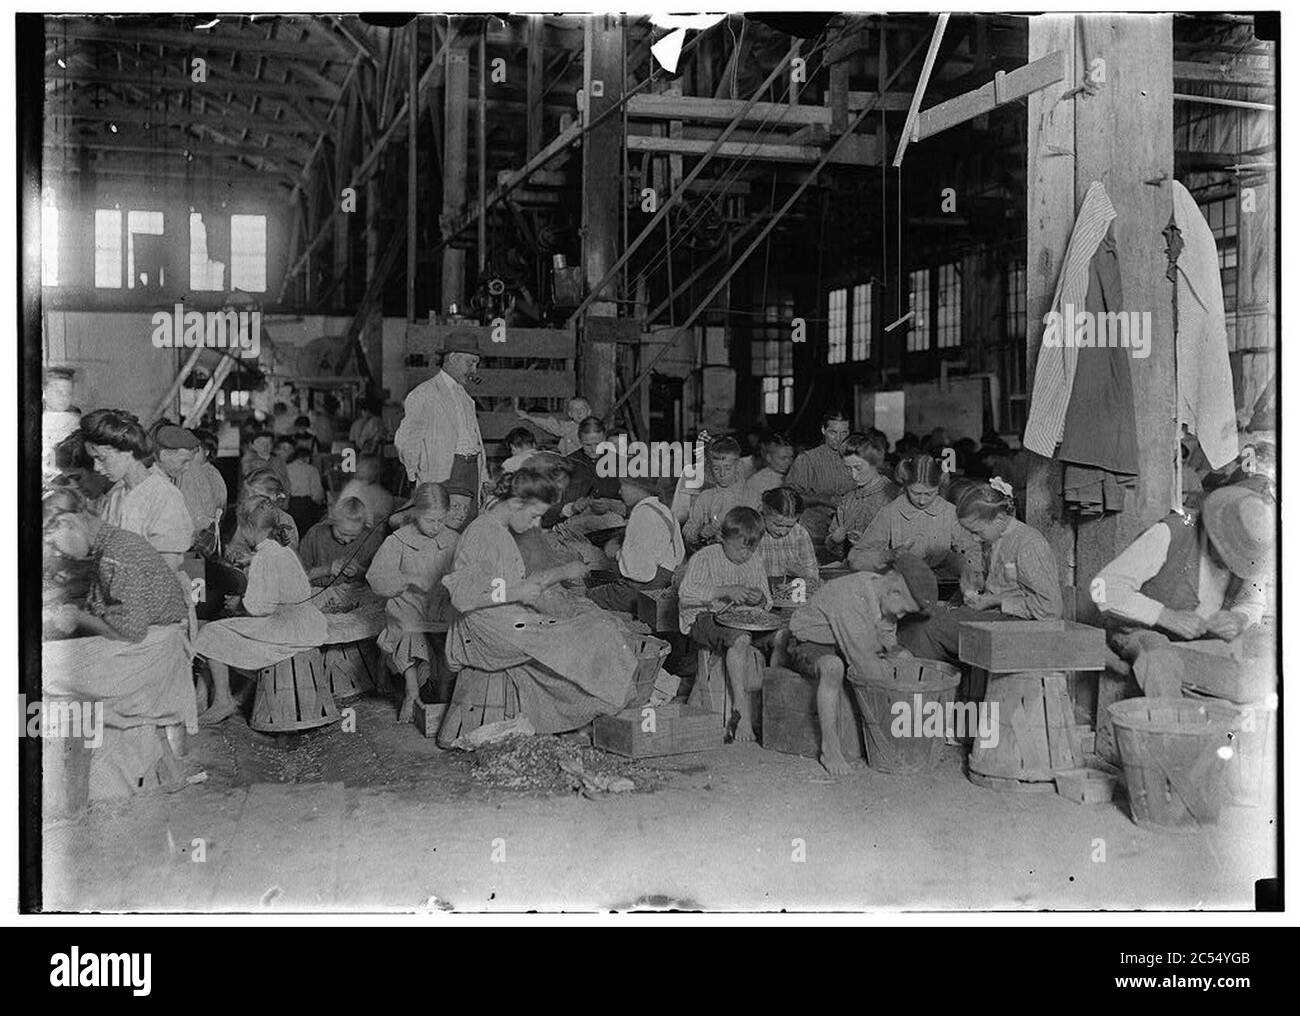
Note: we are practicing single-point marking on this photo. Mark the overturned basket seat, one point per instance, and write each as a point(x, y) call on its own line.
point(480, 697)
point(292, 695)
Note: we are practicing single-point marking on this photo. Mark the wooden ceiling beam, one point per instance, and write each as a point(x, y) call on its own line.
point(182, 83)
point(193, 42)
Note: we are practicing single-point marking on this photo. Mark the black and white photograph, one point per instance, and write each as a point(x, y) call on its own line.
point(598, 463)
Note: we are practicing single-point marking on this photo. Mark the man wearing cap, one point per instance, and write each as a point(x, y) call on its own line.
point(438, 440)
point(199, 481)
point(844, 630)
point(1187, 578)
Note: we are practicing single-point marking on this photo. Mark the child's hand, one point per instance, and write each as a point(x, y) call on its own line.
point(581, 505)
point(574, 570)
point(836, 533)
point(233, 603)
point(707, 532)
point(751, 597)
point(981, 601)
point(529, 590)
point(1225, 625)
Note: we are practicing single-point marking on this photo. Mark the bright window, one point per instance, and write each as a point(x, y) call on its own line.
point(838, 327)
point(1222, 217)
point(248, 253)
point(918, 333)
point(140, 224)
point(108, 248)
point(778, 396)
point(205, 273)
point(49, 245)
point(948, 309)
point(862, 321)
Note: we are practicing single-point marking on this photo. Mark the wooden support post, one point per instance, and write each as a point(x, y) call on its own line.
point(455, 154)
point(534, 85)
point(921, 83)
point(412, 188)
point(480, 145)
point(602, 194)
point(1121, 135)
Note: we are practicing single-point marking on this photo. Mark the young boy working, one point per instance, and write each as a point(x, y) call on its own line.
point(651, 548)
point(707, 510)
point(841, 625)
point(721, 574)
point(566, 430)
point(331, 546)
point(787, 548)
point(522, 446)
point(778, 455)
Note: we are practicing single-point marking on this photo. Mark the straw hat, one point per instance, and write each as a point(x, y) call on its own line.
point(1241, 526)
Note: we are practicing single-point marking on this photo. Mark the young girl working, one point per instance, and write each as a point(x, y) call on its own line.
point(565, 671)
point(408, 570)
point(281, 619)
point(1023, 581)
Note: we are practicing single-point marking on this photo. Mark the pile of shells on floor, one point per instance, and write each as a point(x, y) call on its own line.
point(560, 765)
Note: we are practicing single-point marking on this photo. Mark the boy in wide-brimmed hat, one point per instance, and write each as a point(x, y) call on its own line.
point(1187, 578)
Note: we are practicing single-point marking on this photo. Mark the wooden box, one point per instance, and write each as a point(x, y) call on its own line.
point(1085, 786)
point(1003, 647)
point(677, 729)
point(428, 717)
point(1221, 676)
point(790, 716)
point(658, 609)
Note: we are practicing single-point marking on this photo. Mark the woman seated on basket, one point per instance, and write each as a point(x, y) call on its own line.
point(564, 671)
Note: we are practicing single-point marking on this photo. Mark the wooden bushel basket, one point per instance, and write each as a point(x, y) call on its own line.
point(480, 697)
point(351, 668)
point(293, 695)
point(1175, 754)
point(1037, 736)
point(913, 681)
point(650, 653)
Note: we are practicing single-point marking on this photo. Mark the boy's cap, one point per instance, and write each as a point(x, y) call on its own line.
point(175, 437)
point(919, 579)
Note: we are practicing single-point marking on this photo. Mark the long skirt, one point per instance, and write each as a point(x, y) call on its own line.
point(142, 686)
point(564, 671)
point(251, 643)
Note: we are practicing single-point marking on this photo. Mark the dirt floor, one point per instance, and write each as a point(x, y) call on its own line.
point(382, 820)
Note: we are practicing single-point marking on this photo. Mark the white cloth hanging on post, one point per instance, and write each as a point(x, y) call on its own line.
point(1204, 377)
point(1054, 372)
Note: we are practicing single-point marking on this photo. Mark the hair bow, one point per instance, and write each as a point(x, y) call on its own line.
point(1001, 486)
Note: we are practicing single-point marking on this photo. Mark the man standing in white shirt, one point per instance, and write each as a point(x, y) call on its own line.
point(438, 440)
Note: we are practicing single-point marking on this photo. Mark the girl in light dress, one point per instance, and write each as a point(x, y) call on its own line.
point(280, 620)
point(408, 570)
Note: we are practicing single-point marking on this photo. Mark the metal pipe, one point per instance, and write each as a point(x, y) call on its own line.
point(1210, 100)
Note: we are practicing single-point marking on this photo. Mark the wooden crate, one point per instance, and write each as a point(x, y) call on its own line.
point(790, 716)
point(428, 716)
point(1241, 681)
point(1002, 647)
point(677, 730)
point(658, 611)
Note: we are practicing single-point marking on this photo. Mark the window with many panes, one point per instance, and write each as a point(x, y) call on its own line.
point(772, 357)
point(862, 321)
point(837, 327)
point(947, 312)
point(918, 332)
point(1016, 297)
point(1222, 217)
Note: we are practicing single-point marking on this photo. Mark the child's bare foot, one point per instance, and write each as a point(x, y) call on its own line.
point(407, 711)
point(220, 711)
point(744, 729)
point(834, 762)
